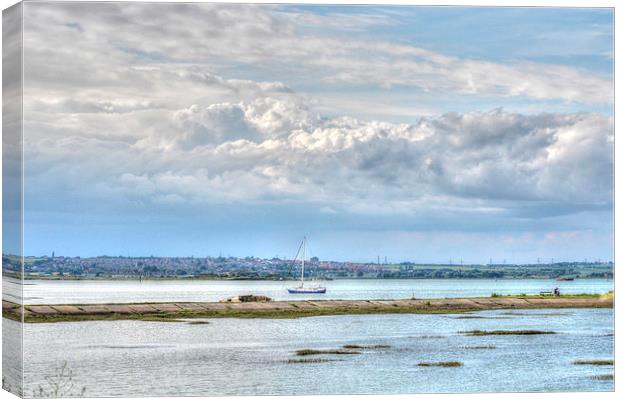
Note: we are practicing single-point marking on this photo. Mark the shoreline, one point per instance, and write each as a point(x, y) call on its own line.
point(170, 311)
point(30, 277)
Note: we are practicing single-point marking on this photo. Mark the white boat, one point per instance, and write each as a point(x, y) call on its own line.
point(301, 289)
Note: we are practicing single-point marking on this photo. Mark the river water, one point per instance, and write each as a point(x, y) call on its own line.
point(115, 291)
point(250, 356)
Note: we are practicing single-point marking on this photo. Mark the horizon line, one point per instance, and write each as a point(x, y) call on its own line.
point(228, 256)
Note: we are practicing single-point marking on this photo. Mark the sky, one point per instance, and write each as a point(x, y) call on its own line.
point(423, 134)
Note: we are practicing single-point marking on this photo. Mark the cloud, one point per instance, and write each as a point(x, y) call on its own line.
point(225, 36)
point(216, 123)
point(357, 21)
point(199, 115)
point(277, 118)
point(273, 151)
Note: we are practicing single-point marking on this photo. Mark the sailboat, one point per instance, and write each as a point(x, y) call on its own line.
point(317, 289)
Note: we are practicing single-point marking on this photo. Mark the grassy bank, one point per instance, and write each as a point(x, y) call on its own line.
point(291, 309)
point(227, 313)
point(548, 296)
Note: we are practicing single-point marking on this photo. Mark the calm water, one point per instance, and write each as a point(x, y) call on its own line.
point(247, 357)
point(49, 292)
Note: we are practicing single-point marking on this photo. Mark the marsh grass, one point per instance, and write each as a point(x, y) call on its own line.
point(235, 313)
point(430, 336)
point(60, 384)
point(534, 296)
point(311, 360)
point(275, 312)
point(547, 314)
point(598, 362)
point(365, 346)
point(440, 364)
point(309, 352)
point(603, 377)
point(480, 347)
point(477, 333)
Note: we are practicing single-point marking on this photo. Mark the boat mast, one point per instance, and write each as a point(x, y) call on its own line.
point(303, 260)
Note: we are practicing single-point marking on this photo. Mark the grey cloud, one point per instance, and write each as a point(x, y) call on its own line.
point(225, 35)
point(145, 132)
point(137, 121)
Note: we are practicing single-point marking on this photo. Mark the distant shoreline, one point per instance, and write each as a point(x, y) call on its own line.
point(218, 278)
point(252, 268)
point(173, 311)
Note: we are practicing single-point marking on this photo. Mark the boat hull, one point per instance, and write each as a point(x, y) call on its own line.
point(307, 290)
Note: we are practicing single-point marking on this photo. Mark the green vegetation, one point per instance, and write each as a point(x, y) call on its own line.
point(282, 310)
point(308, 352)
point(365, 346)
point(601, 362)
point(603, 377)
point(253, 268)
point(440, 364)
point(506, 332)
point(311, 360)
point(15, 316)
point(534, 296)
point(275, 313)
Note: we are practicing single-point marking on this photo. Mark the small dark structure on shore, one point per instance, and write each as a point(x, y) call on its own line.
point(247, 298)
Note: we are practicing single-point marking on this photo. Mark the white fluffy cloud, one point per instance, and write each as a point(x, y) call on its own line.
point(271, 150)
point(136, 112)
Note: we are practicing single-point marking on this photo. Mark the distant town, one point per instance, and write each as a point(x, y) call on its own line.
point(252, 268)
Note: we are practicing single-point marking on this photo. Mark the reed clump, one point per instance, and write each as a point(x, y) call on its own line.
point(353, 346)
point(603, 377)
point(311, 360)
point(440, 364)
point(537, 296)
point(507, 332)
point(309, 352)
point(597, 362)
